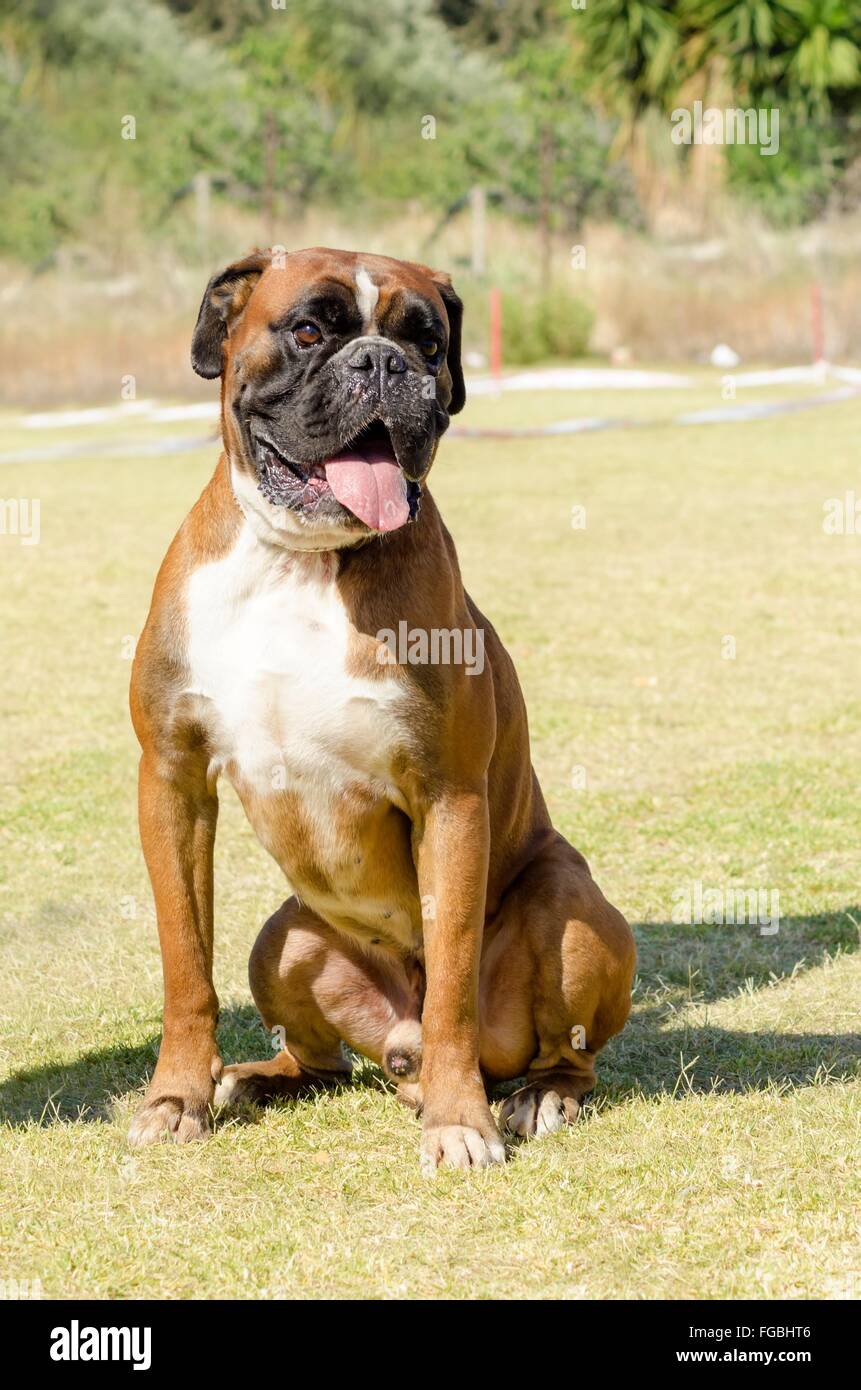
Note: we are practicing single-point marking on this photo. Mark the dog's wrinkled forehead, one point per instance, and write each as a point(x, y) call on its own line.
point(366, 293)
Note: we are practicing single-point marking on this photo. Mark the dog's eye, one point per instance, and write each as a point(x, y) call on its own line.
point(307, 334)
point(429, 347)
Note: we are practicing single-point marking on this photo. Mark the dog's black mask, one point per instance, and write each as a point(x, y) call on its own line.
point(329, 357)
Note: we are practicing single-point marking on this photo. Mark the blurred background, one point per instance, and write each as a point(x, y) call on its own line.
point(525, 145)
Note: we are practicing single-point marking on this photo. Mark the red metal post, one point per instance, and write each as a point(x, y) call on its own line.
point(816, 322)
point(495, 332)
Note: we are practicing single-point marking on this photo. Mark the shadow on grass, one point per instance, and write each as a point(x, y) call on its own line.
point(715, 962)
point(87, 1088)
point(651, 1057)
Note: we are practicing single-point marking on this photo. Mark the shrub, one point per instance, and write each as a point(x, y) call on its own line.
point(556, 324)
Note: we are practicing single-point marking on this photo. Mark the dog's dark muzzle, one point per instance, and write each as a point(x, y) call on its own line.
point(381, 384)
point(375, 372)
point(376, 362)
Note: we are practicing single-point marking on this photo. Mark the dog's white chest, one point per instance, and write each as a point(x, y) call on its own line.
point(268, 650)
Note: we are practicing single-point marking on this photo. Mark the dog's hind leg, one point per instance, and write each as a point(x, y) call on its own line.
point(320, 988)
point(556, 983)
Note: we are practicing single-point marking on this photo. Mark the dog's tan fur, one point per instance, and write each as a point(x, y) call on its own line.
point(495, 942)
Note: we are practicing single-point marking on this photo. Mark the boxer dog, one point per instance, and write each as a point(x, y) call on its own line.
point(438, 923)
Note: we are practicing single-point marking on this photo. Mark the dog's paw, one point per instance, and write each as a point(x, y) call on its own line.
point(459, 1146)
point(537, 1110)
point(169, 1117)
point(280, 1077)
point(236, 1088)
point(409, 1093)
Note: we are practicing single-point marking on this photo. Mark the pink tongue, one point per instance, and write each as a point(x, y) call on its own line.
point(370, 485)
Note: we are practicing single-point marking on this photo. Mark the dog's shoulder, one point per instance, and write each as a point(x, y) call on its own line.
point(208, 533)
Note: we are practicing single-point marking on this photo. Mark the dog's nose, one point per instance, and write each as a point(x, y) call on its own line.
point(381, 359)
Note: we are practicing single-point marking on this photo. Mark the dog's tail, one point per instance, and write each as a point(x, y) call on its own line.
point(402, 1050)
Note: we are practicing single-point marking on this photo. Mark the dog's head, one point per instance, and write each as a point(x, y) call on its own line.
point(339, 374)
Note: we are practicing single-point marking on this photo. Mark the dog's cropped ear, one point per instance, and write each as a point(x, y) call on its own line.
point(226, 296)
point(454, 310)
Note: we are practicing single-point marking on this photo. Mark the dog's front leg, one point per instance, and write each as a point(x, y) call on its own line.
point(178, 815)
point(458, 1129)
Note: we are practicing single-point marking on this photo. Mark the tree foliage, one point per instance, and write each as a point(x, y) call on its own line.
point(532, 98)
point(800, 57)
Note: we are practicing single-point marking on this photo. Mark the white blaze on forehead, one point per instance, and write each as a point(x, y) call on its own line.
point(367, 294)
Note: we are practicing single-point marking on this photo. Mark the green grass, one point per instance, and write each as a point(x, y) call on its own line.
point(719, 1155)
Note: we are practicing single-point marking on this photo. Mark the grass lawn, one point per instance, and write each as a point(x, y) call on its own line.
point(718, 1157)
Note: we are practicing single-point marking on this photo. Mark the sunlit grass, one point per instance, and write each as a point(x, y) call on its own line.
point(718, 1156)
